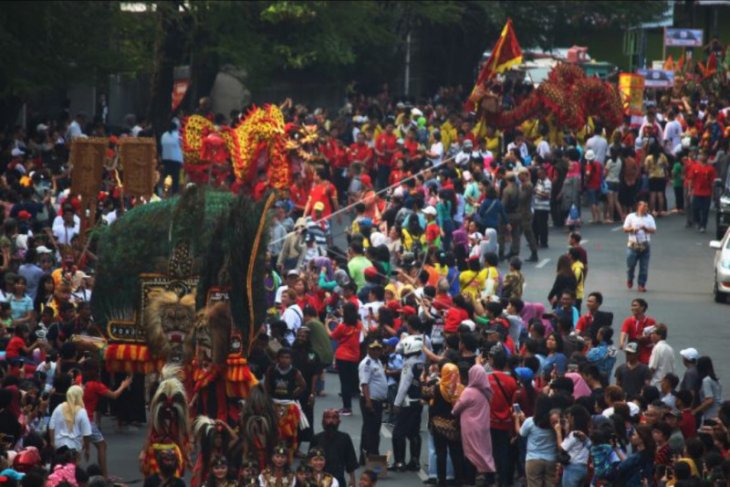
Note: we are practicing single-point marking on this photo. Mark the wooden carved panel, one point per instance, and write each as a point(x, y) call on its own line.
point(87, 166)
point(138, 156)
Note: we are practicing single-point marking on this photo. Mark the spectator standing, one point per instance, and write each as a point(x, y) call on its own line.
point(661, 361)
point(640, 226)
point(172, 156)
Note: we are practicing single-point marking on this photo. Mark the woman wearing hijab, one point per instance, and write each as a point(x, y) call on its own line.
point(444, 426)
point(472, 408)
point(69, 425)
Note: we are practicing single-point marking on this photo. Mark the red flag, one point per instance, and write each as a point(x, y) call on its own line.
point(506, 53)
point(680, 63)
point(710, 68)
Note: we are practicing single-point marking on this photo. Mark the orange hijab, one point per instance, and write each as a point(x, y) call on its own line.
point(450, 384)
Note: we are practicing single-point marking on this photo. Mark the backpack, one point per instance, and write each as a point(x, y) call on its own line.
point(414, 390)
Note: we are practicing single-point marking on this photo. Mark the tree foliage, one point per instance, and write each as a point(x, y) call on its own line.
point(46, 45)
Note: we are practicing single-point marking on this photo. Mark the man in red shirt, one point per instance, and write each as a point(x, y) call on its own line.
point(323, 191)
point(633, 328)
point(359, 152)
point(504, 388)
point(702, 180)
point(593, 176)
point(16, 348)
point(335, 154)
point(299, 193)
point(689, 170)
point(385, 146)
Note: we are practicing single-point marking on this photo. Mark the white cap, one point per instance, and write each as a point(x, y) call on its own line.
point(430, 210)
point(41, 127)
point(416, 112)
point(590, 155)
point(17, 152)
point(42, 249)
point(689, 353)
point(466, 175)
point(472, 326)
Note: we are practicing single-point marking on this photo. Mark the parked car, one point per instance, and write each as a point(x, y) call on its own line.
point(721, 289)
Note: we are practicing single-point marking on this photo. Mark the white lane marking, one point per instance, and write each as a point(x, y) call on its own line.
point(385, 432)
point(617, 228)
point(542, 263)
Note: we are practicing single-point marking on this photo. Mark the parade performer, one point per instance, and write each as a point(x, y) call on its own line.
point(169, 424)
point(317, 461)
point(285, 384)
point(258, 429)
point(215, 439)
point(219, 473)
point(278, 474)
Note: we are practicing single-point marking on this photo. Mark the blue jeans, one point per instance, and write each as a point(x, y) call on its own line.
point(574, 475)
point(432, 461)
point(642, 257)
point(701, 209)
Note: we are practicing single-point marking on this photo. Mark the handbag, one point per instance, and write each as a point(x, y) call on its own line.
point(446, 427)
point(638, 246)
point(563, 457)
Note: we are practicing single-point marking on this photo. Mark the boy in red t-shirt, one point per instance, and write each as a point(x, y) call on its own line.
point(433, 231)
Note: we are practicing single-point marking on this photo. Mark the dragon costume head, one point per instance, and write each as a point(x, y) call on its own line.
point(169, 319)
point(169, 407)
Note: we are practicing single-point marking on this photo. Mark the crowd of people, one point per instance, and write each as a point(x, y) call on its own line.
point(417, 305)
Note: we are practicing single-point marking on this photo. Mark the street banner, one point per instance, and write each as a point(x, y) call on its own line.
point(682, 37)
point(138, 156)
point(631, 88)
point(657, 78)
point(87, 166)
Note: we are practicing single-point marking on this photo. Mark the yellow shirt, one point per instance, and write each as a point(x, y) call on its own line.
point(472, 282)
point(577, 268)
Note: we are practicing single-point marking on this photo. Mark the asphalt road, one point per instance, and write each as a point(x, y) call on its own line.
point(679, 294)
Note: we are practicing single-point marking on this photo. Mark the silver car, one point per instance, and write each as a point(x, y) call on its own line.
point(721, 288)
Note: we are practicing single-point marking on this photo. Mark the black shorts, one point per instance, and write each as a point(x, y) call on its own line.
point(657, 185)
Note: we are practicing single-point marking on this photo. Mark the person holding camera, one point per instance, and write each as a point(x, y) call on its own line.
point(640, 225)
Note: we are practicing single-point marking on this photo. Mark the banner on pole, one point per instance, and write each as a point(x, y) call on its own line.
point(682, 37)
point(138, 156)
point(631, 88)
point(657, 78)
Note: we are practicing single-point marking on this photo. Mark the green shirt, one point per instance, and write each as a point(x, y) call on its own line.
point(677, 174)
point(356, 268)
point(321, 344)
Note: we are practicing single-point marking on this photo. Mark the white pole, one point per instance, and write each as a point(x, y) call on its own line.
point(407, 80)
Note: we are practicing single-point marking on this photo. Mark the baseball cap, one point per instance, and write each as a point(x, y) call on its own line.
point(690, 353)
point(468, 143)
point(42, 249)
point(391, 342)
point(631, 347)
point(17, 152)
point(430, 210)
point(41, 127)
point(590, 155)
point(292, 273)
point(472, 326)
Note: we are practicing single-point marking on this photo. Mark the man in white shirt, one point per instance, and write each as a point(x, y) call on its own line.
point(661, 361)
point(598, 144)
point(520, 148)
point(436, 153)
point(463, 157)
point(672, 132)
point(292, 315)
point(172, 156)
point(639, 225)
point(67, 226)
point(74, 128)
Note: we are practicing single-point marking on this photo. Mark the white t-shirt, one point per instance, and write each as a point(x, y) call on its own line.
point(599, 146)
point(64, 234)
point(673, 134)
point(73, 438)
point(293, 317)
point(437, 149)
point(661, 361)
point(579, 450)
point(634, 221)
